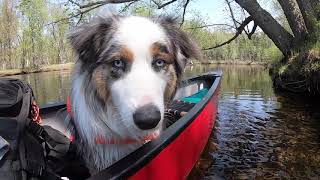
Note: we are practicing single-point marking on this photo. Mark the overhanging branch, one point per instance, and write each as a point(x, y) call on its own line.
point(126, 7)
point(235, 22)
point(103, 3)
point(160, 6)
point(253, 30)
point(239, 31)
point(73, 2)
point(75, 15)
point(89, 7)
point(184, 12)
point(210, 25)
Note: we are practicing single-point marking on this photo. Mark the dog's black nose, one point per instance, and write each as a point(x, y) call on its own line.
point(147, 117)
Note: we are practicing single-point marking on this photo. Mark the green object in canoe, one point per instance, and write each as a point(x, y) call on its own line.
point(197, 97)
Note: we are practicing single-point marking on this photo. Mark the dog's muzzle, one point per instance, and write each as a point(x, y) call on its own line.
point(147, 116)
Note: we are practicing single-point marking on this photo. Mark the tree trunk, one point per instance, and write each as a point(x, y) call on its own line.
point(308, 13)
point(23, 58)
point(316, 8)
point(295, 19)
point(281, 38)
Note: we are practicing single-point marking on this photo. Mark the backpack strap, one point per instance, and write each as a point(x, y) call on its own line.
point(35, 161)
point(4, 147)
point(56, 147)
point(31, 155)
point(38, 131)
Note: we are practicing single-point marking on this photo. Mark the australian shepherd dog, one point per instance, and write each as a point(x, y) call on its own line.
point(127, 70)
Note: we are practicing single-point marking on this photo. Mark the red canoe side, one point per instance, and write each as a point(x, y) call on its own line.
point(177, 159)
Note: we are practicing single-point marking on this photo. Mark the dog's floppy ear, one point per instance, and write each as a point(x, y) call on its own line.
point(185, 47)
point(89, 40)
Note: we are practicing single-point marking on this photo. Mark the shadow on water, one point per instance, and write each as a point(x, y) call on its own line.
point(258, 134)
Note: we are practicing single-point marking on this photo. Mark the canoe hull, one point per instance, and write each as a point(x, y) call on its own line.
point(177, 160)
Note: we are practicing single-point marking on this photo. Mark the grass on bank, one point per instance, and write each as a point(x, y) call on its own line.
point(232, 62)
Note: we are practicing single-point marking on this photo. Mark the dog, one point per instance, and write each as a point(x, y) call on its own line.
point(127, 70)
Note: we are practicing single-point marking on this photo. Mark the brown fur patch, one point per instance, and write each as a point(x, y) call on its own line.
point(122, 53)
point(159, 50)
point(100, 81)
point(126, 54)
point(171, 84)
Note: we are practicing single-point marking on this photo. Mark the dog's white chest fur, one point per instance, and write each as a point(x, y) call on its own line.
point(90, 126)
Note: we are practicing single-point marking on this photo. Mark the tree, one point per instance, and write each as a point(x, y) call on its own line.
point(301, 16)
point(59, 52)
point(282, 39)
point(8, 33)
point(295, 19)
point(35, 14)
point(309, 12)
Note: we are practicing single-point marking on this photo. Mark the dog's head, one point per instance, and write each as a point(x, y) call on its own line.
point(133, 65)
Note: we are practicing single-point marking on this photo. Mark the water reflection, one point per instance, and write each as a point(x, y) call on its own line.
point(49, 87)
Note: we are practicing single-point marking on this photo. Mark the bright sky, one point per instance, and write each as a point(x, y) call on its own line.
point(212, 11)
point(215, 10)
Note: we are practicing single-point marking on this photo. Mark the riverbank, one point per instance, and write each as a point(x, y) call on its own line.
point(231, 62)
point(298, 74)
point(68, 66)
point(53, 67)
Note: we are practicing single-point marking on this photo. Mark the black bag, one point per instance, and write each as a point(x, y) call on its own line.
point(26, 145)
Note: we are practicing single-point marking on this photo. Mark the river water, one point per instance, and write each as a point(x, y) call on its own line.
point(258, 134)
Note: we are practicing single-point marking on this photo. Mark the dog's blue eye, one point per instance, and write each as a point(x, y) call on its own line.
point(159, 63)
point(118, 64)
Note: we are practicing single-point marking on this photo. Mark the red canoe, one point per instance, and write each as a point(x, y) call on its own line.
point(174, 154)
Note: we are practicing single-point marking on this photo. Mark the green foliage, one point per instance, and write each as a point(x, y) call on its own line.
point(143, 11)
point(316, 34)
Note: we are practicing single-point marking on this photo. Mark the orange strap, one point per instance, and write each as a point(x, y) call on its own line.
point(35, 113)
